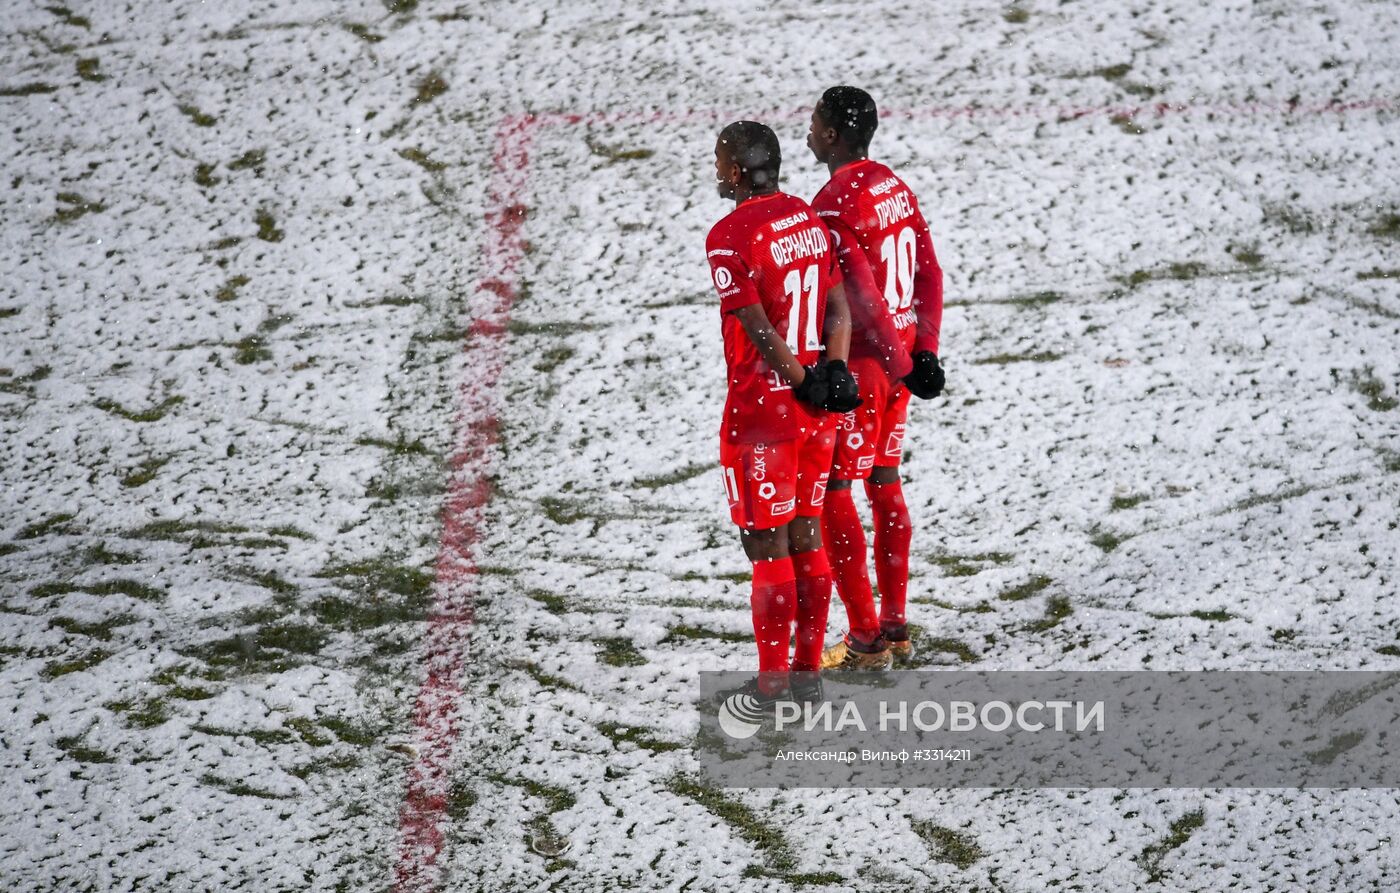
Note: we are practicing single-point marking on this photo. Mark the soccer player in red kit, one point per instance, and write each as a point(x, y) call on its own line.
point(896, 300)
point(781, 304)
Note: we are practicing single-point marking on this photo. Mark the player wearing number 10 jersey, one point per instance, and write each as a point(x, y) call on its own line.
point(896, 300)
point(781, 305)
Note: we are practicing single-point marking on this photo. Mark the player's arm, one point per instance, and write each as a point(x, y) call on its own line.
point(836, 327)
point(870, 317)
point(926, 379)
point(771, 347)
point(928, 289)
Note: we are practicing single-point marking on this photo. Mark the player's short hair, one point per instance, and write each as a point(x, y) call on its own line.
point(755, 147)
point(851, 112)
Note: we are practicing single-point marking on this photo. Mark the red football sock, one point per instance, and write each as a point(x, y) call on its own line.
point(774, 603)
point(813, 599)
point(845, 546)
point(892, 534)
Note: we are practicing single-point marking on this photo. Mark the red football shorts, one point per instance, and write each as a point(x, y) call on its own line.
point(769, 484)
point(872, 434)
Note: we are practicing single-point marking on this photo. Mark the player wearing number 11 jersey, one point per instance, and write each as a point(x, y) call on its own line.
point(896, 299)
point(781, 304)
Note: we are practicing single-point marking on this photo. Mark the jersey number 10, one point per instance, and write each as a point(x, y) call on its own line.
point(801, 289)
point(898, 254)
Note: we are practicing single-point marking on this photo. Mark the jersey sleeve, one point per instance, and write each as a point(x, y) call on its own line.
point(928, 288)
point(729, 274)
point(870, 317)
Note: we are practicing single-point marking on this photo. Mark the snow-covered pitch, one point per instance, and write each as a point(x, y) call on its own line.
point(281, 281)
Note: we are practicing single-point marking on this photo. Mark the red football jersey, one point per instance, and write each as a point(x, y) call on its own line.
point(771, 250)
point(867, 204)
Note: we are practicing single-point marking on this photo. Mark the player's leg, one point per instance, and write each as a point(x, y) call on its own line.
point(759, 481)
point(893, 529)
point(842, 532)
point(809, 559)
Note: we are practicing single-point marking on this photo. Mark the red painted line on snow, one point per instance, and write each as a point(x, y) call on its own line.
point(476, 427)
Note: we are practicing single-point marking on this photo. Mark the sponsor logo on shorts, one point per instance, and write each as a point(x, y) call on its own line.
point(818, 492)
point(760, 462)
point(767, 490)
point(865, 463)
point(895, 442)
point(855, 441)
point(780, 508)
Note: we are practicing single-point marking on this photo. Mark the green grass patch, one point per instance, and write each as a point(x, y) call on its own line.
point(1339, 745)
point(96, 629)
point(308, 731)
point(363, 32)
point(1016, 15)
point(199, 118)
point(619, 652)
point(145, 714)
point(1180, 272)
point(73, 206)
point(429, 88)
point(1003, 359)
point(204, 175)
point(351, 732)
point(32, 89)
point(130, 588)
point(153, 414)
point(384, 574)
point(1023, 591)
point(87, 661)
point(547, 680)
point(1248, 255)
point(1365, 383)
point(765, 838)
point(1387, 227)
point(1378, 273)
point(253, 159)
point(229, 290)
point(422, 159)
point(616, 154)
point(252, 349)
point(553, 358)
point(271, 648)
point(199, 534)
point(1107, 541)
point(656, 482)
point(239, 788)
point(1389, 650)
point(1127, 124)
point(90, 69)
point(1180, 831)
point(75, 749)
point(555, 604)
point(267, 226)
point(144, 473)
point(1057, 608)
point(683, 633)
point(398, 447)
point(7, 312)
point(926, 646)
point(68, 17)
point(1123, 503)
point(956, 848)
point(635, 735)
point(53, 524)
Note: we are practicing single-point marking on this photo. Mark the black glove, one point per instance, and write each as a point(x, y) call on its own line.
point(926, 381)
point(815, 388)
point(845, 393)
